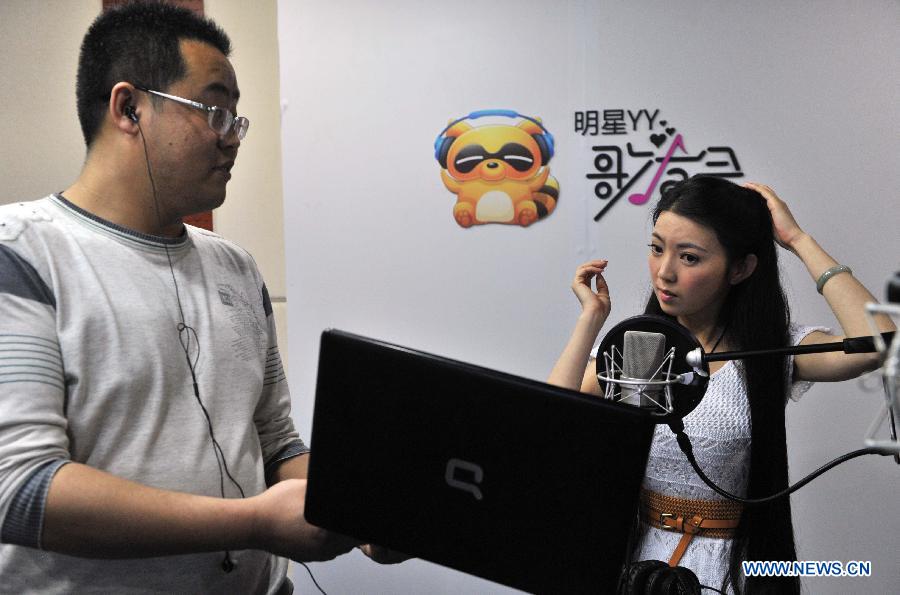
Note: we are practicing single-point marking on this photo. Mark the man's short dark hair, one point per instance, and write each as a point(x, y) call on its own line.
point(137, 43)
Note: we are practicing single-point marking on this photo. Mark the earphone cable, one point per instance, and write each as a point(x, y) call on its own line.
point(315, 582)
point(185, 333)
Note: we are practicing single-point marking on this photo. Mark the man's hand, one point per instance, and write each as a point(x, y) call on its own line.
point(279, 526)
point(383, 555)
point(91, 513)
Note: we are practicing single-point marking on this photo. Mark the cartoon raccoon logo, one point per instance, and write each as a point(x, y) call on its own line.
point(498, 172)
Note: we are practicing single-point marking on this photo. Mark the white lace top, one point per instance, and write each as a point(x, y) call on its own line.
point(719, 429)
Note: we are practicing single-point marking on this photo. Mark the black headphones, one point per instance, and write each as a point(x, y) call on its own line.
point(129, 112)
point(654, 577)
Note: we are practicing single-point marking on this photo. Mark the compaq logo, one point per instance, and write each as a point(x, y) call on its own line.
point(463, 475)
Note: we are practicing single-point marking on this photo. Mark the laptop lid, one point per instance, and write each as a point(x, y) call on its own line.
point(503, 477)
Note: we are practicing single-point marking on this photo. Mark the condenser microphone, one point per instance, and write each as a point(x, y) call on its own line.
point(634, 345)
point(641, 362)
point(643, 356)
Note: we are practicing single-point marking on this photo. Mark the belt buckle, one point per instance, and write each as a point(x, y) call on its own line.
point(667, 515)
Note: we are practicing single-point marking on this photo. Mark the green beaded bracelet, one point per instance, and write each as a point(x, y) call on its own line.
point(835, 270)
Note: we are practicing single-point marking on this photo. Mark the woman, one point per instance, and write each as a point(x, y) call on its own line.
point(713, 268)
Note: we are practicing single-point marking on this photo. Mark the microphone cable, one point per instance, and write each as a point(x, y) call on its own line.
point(185, 333)
point(684, 443)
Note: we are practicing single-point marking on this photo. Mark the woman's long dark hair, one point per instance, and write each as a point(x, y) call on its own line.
point(755, 315)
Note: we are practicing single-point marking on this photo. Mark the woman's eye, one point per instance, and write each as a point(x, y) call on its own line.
point(690, 258)
point(654, 249)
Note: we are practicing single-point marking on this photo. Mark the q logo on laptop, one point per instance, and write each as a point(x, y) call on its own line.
point(498, 172)
point(470, 471)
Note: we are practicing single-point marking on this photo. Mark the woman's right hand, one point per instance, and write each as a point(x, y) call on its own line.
point(595, 301)
point(573, 369)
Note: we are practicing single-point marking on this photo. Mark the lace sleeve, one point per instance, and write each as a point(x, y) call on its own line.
point(795, 390)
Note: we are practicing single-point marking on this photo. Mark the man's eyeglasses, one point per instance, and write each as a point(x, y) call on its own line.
point(221, 120)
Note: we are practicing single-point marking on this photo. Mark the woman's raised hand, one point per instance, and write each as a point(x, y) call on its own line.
point(596, 300)
point(785, 227)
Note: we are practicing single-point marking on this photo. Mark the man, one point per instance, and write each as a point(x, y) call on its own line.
point(143, 405)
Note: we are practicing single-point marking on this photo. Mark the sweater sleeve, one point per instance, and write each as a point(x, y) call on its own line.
point(277, 436)
point(33, 441)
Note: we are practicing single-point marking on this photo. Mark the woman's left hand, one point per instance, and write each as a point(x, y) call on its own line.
point(785, 227)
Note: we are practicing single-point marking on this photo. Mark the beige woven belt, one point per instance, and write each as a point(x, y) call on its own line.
point(712, 518)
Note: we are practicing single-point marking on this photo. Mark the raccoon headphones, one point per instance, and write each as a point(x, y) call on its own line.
point(544, 140)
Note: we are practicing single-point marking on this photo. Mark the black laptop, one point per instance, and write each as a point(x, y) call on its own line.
point(506, 478)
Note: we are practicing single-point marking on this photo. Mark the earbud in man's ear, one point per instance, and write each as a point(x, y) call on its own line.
point(129, 111)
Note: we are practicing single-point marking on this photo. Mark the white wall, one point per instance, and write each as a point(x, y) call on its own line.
point(252, 216)
point(804, 92)
point(41, 150)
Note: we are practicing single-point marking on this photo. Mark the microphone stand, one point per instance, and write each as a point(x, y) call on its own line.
point(849, 345)
point(697, 358)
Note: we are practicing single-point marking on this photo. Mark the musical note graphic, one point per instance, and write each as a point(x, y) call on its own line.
point(638, 198)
